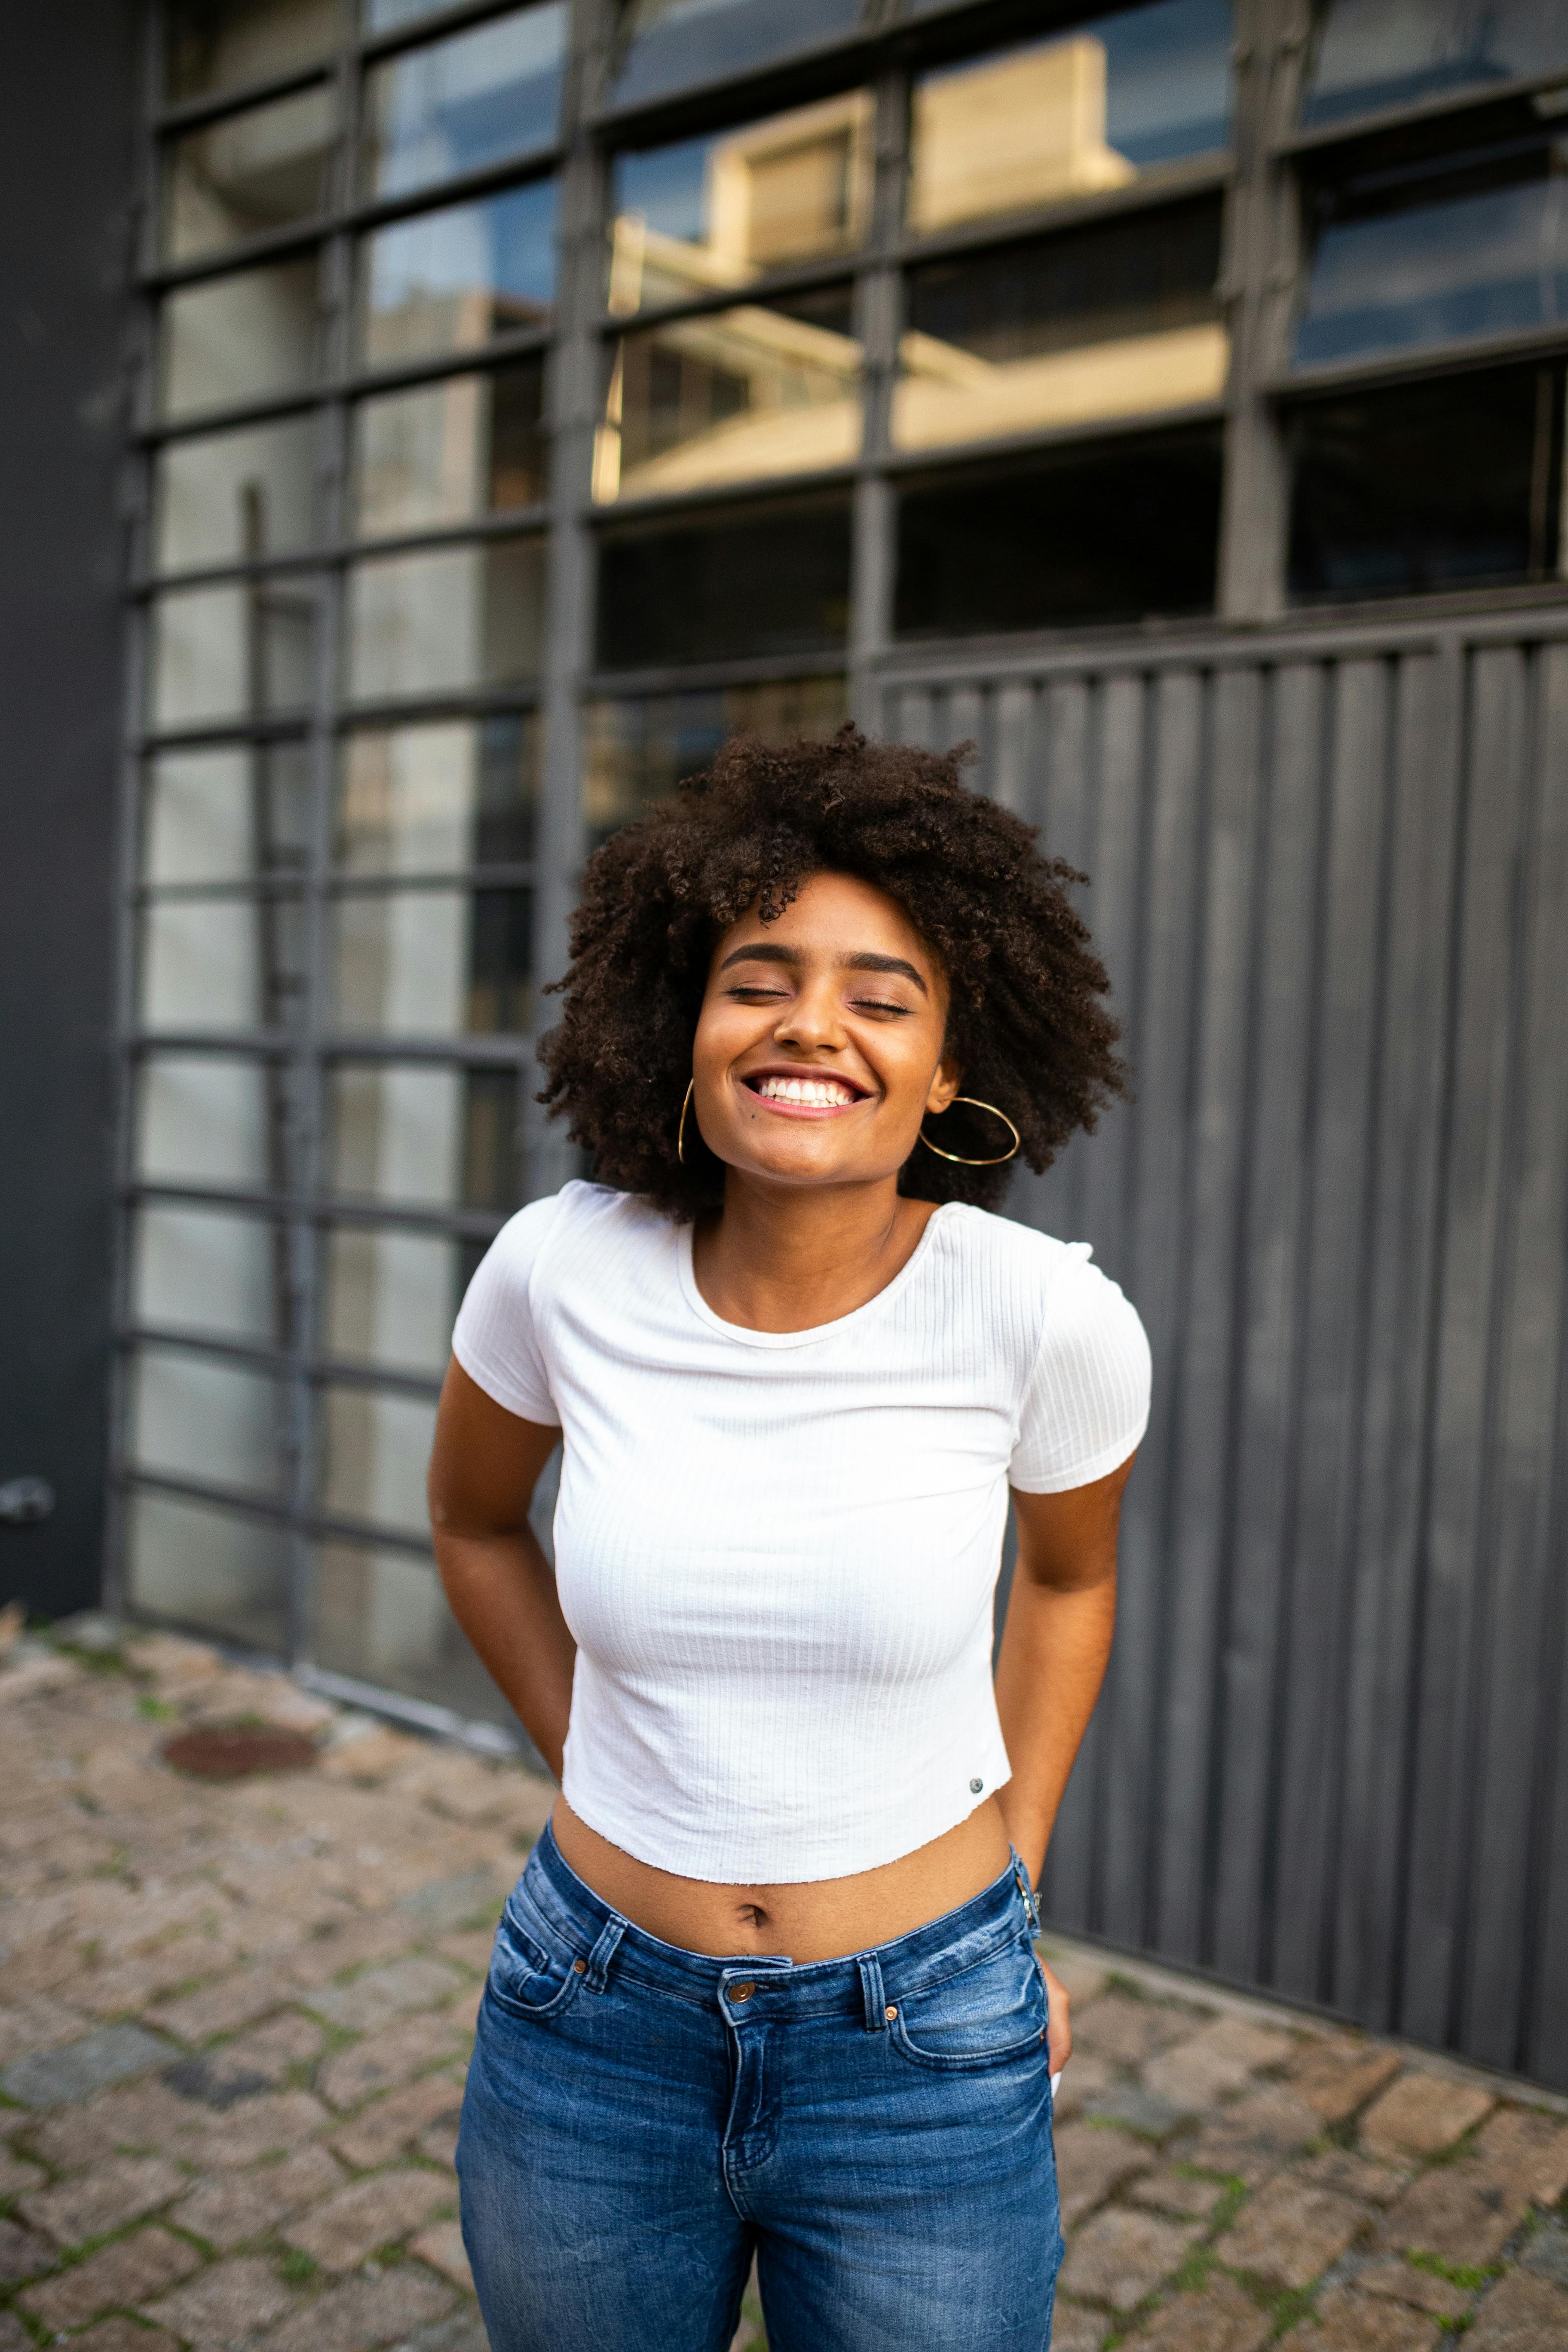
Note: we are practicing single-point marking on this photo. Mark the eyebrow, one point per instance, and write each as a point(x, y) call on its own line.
point(775, 951)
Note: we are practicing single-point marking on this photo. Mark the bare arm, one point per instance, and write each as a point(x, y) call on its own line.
point(483, 1470)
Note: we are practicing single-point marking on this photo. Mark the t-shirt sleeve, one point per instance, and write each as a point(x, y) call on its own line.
point(1087, 1404)
point(495, 1339)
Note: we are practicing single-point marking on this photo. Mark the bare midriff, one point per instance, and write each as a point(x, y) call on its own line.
point(815, 1919)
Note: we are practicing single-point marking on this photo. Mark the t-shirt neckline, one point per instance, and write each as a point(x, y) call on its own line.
point(685, 1235)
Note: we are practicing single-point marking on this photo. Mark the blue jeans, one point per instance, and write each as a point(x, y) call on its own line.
point(639, 2120)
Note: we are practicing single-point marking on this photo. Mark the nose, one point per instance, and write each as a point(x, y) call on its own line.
point(812, 1020)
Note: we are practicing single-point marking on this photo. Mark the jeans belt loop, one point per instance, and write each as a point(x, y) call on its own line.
point(1031, 1908)
point(871, 1992)
point(603, 1951)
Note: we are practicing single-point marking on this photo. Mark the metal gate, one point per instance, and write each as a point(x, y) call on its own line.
point(1330, 876)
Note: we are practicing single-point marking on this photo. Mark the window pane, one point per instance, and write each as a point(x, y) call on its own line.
point(223, 44)
point(201, 1120)
point(222, 964)
point(475, 98)
point(768, 580)
point(194, 1416)
point(432, 962)
point(638, 750)
point(665, 43)
point(389, 1297)
point(209, 1567)
point(240, 337)
point(374, 1453)
point(1116, 321)
point(1471, 246)
point(428, 1137)
point(1378, 53)
point(451, 280)
point(231, 653)
point(1096, 108)
point(472, 444)
point(730, 396)
point(381, 1617)
point(1121, 532)
point(249, 174)
point(206, 1270)
point(1431, 485)
point(432, 799)
point(720, 210)
point(229, 496)
point(225, 816)
point(461, 616)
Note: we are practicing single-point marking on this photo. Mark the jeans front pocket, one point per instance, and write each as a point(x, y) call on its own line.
point(534, 1969)
point(993, 2013)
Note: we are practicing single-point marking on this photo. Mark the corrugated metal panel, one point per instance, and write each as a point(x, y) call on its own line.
point(1329, 876)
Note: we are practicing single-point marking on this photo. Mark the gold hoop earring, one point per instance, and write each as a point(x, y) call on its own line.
point(996, 1158)
point(680, 1130)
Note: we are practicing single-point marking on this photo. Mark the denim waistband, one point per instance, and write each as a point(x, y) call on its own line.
point(861, 1983)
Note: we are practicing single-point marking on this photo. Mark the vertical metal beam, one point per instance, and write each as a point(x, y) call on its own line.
point(878, 321)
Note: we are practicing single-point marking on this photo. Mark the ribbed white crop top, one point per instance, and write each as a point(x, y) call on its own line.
point(777, 1551)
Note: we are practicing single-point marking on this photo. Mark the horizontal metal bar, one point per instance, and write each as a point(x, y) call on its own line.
point(318, 1208)
point(421, 1715)
point(701, 677)
point(340, 882)
point(212, 106)
point(951, 457)
point(1475, 97)
point(425, 32)
point(504, 1048)
point(322, 1526)
point(347, 718)
point(322, 1371)
point(481, 531)
point(358, 384)
point(1412, 367)
point(767, 490)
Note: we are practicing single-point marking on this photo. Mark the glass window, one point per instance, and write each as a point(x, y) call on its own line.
point(1468, 246)
point(772, 580)
point(221, 963)
point(476, 98)
point(389, 1297)
point(730, 396)
point(249, 174)
point(203, 1119)
point(228, 495)
point(209, 1270)
point(380, 1616)
point(194, 1416)
point(240, 337)
point(417, 962)
point(426, 1135)
point(1445, 485)
point(1115, 321)
point(214, 1570)
point(1115, 533)
point(225, 816)
point(374, 1450)
point(1100, 107)
point(212, 45)
point(436, 798)
point(665, 43)
point(460, 617)
point(231, 653)
point(447, 452)
point(454, 279)
point(638, 749)
point(1383, 53)
point(720, 210)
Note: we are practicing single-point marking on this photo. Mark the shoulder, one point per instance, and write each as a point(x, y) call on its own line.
point(578, 1213)
point(1018, 1261)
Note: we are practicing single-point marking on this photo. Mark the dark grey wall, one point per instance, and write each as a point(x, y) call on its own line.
point(1329, 876)
point(65, 147)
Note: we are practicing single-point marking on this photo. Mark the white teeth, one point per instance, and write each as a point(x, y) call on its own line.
point(822, 1093)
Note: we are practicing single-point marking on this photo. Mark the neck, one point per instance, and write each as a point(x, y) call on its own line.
point(785, 1259)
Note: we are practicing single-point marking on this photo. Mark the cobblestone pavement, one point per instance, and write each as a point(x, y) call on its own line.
point(235, 2017)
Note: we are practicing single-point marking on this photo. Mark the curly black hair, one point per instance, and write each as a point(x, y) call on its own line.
point(1026, 1022)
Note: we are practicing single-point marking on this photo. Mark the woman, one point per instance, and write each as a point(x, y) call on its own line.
point(767, 1984)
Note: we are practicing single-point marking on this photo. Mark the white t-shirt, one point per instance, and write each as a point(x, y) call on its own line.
point(777, 1551)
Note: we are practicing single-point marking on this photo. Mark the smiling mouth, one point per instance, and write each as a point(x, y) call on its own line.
point(784, 1092)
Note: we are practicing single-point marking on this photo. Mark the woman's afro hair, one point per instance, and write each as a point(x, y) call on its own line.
point(1027, 1022)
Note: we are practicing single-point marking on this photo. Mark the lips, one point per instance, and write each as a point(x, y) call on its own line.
point(809, 1091)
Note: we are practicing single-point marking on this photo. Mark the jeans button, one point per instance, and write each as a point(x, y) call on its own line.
point(742, 1992)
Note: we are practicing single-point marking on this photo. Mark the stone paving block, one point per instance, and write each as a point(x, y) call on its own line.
point(1464, 2212)
point(236, 2001)
point(1521, 2314)
point(1170, 2191)
point(1119, 2257)
point(1401, 2282)
point(1530, 2147)
point(1072, 2330)
point(1087, 2078)
point(1218, 2318)
point(17, 2177)
point(1337, 2075)
point(1129, 2032)
point(123, 2336)
point(275, 2122)
point(113, 2054)
point(1348, 2322)
point(106, 2199)
point(439, 2143)
point(383, 2061)
point(1350, 2175)
point(139, 2119)
point(1290, 2233)
point(399, 1990)
point(352, 1943)
point(225, 2302)
point(1221, 2058)
point(369, 1754)
point(1131, 2105)
point(1547, 2251)
point(471, 1949)
point(1084, 1979)
point(1254, 2137)
point(462, 2331)
point(237, 2205)
point(29, 2028)
point(134, 1983)
point(444, 1904)
point(14, 2337)
point(128, 2272)
point(442, 2248)
point(171, 1661)
point(252, 2061)
point(384, 2128)
point(1090, 2163)
point(23, 2254)
point(1424, 2111)
point(373, 2212)
point(363, 2313)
